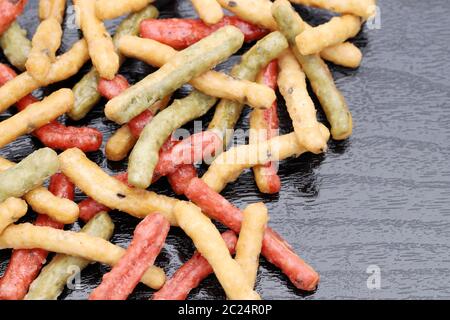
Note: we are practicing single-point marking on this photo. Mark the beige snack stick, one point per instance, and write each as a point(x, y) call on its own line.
point(259, 12)
point(64, 67)
point(212, 83)
point(228, 166)
point(292, 85)
point(52, 8)
point(43, 201)
point(248, 247)
point(362, 8)
point(210, 244)
point(100, 44)
point(110, 9)
point(208, 10)
point(120, 144)
point(28, 236)
point(36, 115)
point(335, 31)
point(95, 183)
point(11, 210)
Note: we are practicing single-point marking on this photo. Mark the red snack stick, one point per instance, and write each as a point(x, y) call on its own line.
point(138, 123)
point(9, 10)
point(179, 179)
point(181, 33)
point(148, 240)
point(191, 273)
point(25, 264)
point(274, 248)
point(112, 88)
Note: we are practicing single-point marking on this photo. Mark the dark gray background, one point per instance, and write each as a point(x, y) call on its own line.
point(380, 198)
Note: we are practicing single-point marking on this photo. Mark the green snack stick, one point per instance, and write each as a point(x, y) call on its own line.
point(53, 277)
point(184, 66)
point(85, 91)
point(28, 174)
point(322, 83)
point(16, 46)
point(145, 154)
point(228, 112)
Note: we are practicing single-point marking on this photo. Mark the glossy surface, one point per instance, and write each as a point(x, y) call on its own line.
point(380, 198)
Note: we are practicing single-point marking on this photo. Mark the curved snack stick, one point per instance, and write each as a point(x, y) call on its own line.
point(292, 85)
point(52, 9)
point(228, 112)
point(212, 247)
point(120, 144)
point(263, 126)
point(184, 66)
point(181, 33)
point(322, 83)
point(35, 116)
point(145, 155)
point(27, 236)
point(9, 11)
point(15, 45)
point(249, 245)
point(100, 44)
point(275, 249)
point(148, 240)
point(362, 8)
point(86, 94)
point(212, 83)
point(94, 182)
point(345, 54)
point(180, 179)
point(191, 273)
point(28, 173)
point(208, 10)
point(54, 276)
point(65, 66)
point(335, 31)
point(110, 9)
point(11, 210)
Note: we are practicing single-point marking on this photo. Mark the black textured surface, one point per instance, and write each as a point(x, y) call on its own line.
point(380, 198)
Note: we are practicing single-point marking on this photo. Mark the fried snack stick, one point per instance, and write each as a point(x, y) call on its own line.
point(9, 11)
point(263, 126)
point(94, 182)
point(52, 9)
point(212, 83)
point(110, 9)
point(25, 264)
point(42, 200)
point(208, 10)
point(148, 240)
point(54, 276)
point(179, 180)
point(65, 66)
point(28, 236)
point(292, 85)
point(249, 245)
point(191, 273)
point(100, 44)
point(184, 66)
point(335, 31)
point(362, 8)
point(120, 144)
point(212, 247)
point(276, 250)
point(35, 116)
point(181, 33)
point(11, 210)
point(15, 45)
point(138, 123)
point(259, 12)
point(322, 83)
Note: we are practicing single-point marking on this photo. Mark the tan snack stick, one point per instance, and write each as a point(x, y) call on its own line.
point(64, 67)
point(345, 54)
point(100, 44)
point(52, 8)
point(335, 31)
point(362, 8)
point(120, 144)
point(11, 210)
point(95, 183)
point(292, 85)
point(208, 10)
point(210, 244)
point(36, 115)
point(212, 83)
point(110, 9)
point(28, 236)
point(248, 247)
